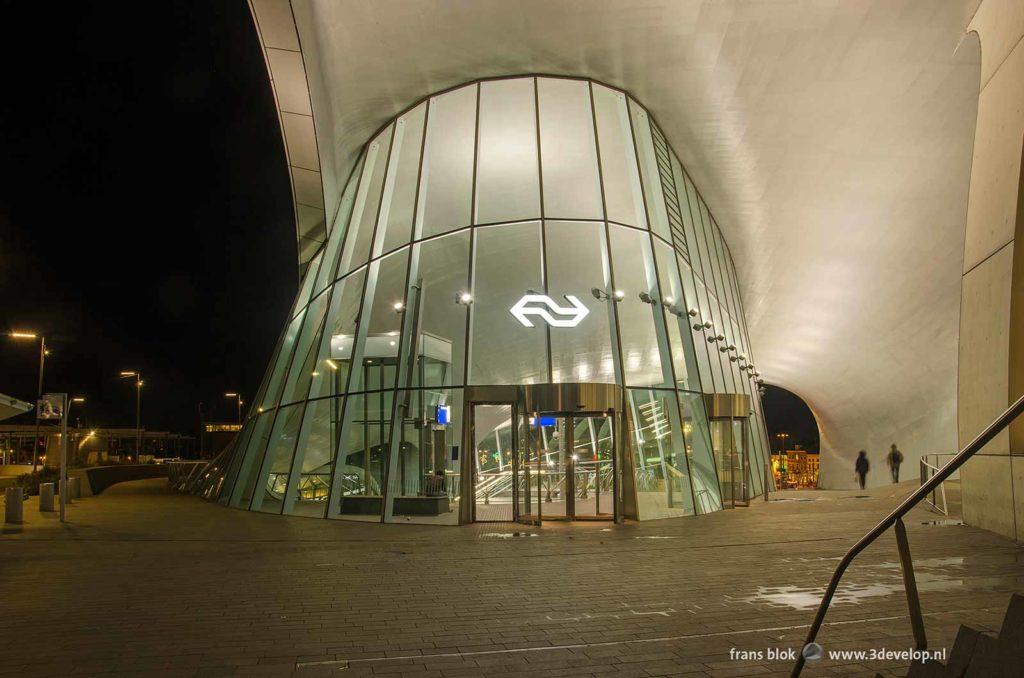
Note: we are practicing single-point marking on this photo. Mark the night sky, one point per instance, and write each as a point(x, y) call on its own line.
point(145, 209)
point(785, 412)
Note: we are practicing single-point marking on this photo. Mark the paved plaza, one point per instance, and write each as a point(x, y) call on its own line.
point(144, 581)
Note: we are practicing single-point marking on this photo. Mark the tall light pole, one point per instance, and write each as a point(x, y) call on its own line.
point(238, 398)
point(74, 400)
point(39, 394)
point(138, 410)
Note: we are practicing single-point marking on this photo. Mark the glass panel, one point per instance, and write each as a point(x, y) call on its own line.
point(377, 350)
point(676, 320)
point(334, 359)
point(698, 449)
point(307, 281)
point(622, 193)
point(310, 474)
point(334, 244)
point(297, 386)
point(446, 183)
point(424, 482)
point(249, 471)
point(507, 187)
point(237, 457)
point(364, 214)
point(697, 335)
point(443, 272)
point(492, 462)
point(684, 207)
point(507, 266)
point(359, 470)
point(572, 188)
point(269, 496)
point(526, 474)
point(635, 280)
point(655, 199)
point(593, 468)
point(660, 468)
point(396, 210)
point(578, 263)
point(284, 356)
point(554, 456)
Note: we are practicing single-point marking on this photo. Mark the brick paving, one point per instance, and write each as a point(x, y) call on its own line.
point(151, 583)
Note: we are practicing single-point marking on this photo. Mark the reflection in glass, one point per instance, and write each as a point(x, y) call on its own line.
point(358, 476)
point(309, 479)
point(567, 149)
point(507, 266)
point(446, 183)
point(273, 479)
point(507, 183)
point(577, 258)
point(661, 473)
point(622, 191)
point(635, 279)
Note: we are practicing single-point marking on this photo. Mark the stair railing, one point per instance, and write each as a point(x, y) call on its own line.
point(895, 521)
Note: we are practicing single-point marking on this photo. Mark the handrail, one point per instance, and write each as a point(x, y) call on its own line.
point(895, 519)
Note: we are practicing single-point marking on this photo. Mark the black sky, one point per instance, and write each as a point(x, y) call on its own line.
point(785, 412)
point(145, 210)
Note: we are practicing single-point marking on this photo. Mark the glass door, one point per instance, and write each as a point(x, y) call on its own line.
point(727, 441)
point(494, 445)
point(592, 458)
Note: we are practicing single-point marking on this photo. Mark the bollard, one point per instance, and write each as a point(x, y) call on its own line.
point(14, 499)
point(65, 491)
point(76, 487)
point(45, 497)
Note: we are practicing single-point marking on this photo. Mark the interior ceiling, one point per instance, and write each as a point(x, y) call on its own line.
point(832, 139)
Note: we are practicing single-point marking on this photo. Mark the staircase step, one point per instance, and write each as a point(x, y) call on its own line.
point(1012, 631)
point(962, 651)
point(984, 661)
point(930, 669)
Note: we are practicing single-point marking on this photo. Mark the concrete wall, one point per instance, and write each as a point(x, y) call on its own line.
point(991, 356)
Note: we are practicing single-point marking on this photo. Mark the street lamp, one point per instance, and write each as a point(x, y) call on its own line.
point(39, 395)
point(238, 398)
point(138, 411)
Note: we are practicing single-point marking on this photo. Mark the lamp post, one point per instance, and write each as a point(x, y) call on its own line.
point(238, 399)
point(138, 411)
point(39, 394)
point(74, 400)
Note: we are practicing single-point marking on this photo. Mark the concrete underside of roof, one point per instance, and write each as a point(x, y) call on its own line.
point(832, 140)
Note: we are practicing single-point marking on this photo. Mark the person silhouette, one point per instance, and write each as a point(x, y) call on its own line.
point(894, 458)
point(861, 466)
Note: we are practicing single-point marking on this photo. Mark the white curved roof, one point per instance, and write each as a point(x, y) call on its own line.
point(832, 140)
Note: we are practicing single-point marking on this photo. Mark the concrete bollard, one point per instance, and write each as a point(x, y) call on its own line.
point(76, 487)
point(14, 499)
point(45, 497)
point(65, 492)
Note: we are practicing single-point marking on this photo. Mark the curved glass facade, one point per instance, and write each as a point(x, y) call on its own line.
point(508, 232)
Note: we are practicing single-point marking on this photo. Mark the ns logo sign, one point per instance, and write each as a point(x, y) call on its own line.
point(545, 308)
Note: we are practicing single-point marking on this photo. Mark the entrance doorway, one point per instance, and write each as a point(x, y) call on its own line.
point(728, 439)
point(530, 467)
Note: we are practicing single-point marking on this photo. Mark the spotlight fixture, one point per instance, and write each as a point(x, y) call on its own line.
point(717, 337)
point(668, 301)
point(398, 306)
point(706, 325)
point(693, 313)
point(644, 297)
point(619, 294)
point(726, 349)
point(464, 298)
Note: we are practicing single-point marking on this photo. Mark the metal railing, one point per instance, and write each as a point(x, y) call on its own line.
point(895, 521)
point(930, 464)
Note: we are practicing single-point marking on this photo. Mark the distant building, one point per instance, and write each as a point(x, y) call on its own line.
point(216, 436)
point(797, 469)
point(90, 446)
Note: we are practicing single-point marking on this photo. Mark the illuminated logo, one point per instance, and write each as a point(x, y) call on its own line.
point(544, 307)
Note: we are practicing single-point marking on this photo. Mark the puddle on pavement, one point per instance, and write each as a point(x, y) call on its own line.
point(507, 535)
point(932, 574)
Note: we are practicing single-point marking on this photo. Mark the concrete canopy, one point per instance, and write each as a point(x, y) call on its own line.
point(833, 141)
point(12, 407)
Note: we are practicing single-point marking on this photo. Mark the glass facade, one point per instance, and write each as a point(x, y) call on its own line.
point(508, 232)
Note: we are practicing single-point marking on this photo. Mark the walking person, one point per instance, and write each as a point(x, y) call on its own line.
point(861, 466)
point(895, 458)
